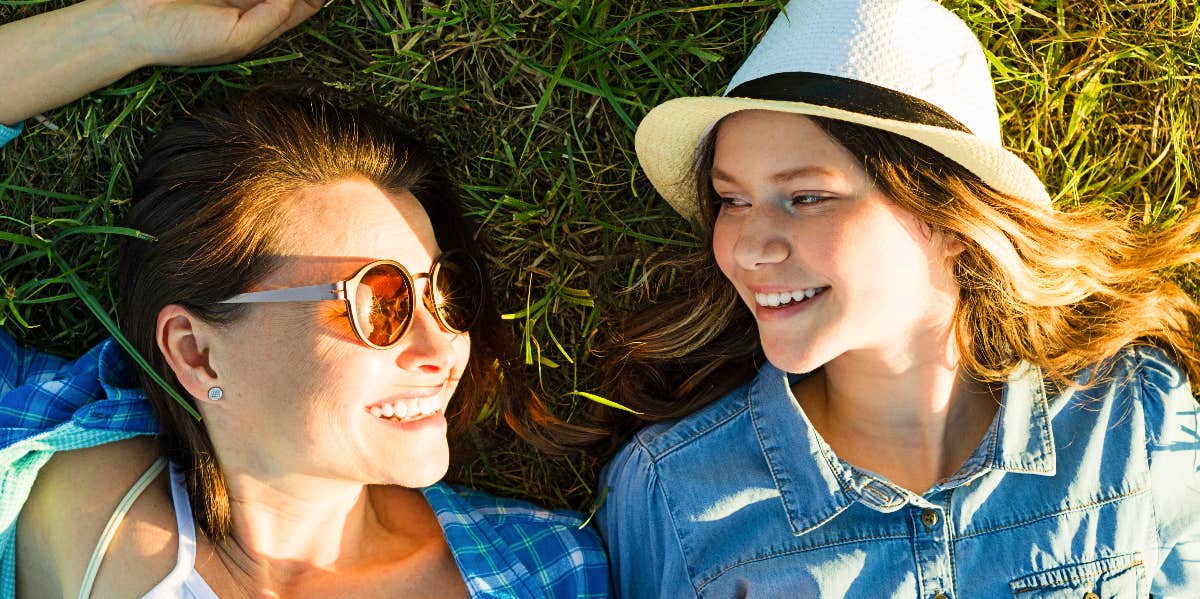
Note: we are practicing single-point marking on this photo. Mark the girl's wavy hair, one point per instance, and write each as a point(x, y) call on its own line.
point(1060, 289)
point(210, 190)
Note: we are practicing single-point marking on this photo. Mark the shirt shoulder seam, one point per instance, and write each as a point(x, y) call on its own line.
point(655, 454)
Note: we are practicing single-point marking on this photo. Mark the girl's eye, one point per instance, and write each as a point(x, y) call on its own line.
point(805, 199)
point(728, 202)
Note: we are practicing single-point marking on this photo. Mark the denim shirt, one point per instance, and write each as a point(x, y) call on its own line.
point(1091, 490)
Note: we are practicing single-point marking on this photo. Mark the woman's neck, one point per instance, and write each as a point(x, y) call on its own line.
point(912, 416)
point(291, 530)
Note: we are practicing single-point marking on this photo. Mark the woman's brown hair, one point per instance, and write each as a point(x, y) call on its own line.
point(209, 191)
point(1060, 289)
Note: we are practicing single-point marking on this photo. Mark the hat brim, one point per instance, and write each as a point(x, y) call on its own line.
point(667, 140)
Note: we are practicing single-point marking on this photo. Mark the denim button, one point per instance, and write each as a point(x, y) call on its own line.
point(929, 518)
point(1090, 595)
point(941, 595)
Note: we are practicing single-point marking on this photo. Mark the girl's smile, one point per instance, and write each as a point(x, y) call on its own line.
point(824, 260)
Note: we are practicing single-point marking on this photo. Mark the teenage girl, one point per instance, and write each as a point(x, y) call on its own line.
point(896, 370)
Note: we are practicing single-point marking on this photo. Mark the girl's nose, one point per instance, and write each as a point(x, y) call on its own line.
point(759, 241)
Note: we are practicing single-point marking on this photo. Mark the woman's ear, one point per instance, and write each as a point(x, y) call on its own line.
point(184, 341)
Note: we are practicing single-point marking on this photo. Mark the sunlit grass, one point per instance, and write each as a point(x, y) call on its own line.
point(534, 105)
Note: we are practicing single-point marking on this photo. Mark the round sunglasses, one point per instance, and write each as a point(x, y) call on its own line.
point(380, 297)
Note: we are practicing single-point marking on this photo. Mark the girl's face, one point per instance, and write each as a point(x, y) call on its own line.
point(303, 395)
point(827, 263)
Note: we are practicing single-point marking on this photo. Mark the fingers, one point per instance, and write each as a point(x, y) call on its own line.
point(269, 19)
point(262, 23)
point(303, 9)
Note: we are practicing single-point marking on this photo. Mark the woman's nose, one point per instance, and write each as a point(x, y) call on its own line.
point(426, 346)
point(759, 241)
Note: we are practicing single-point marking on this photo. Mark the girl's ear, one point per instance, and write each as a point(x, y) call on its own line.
point(948, 242)
point(951, 244)
point(185, 341)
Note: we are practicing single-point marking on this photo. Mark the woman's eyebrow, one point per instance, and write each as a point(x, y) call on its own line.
point(781, 176)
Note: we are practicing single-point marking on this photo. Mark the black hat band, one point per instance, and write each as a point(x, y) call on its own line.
point(846, 94)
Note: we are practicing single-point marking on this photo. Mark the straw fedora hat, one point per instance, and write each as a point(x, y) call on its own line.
point(910, 67)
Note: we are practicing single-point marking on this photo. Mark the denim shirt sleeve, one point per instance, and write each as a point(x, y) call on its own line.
point(1173, 447)
point(644, 551)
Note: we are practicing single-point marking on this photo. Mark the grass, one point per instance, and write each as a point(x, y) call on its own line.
point(536, 104)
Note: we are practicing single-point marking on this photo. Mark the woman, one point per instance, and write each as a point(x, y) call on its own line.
point(897, 370)
point(314, 294)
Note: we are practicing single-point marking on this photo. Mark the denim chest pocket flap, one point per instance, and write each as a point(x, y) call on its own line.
point(1117, 577)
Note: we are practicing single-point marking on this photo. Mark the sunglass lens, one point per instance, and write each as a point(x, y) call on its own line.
point(457, 290)
point(384, 304)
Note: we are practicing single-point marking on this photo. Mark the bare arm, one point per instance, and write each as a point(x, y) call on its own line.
point(71, 501)
point(53, 58)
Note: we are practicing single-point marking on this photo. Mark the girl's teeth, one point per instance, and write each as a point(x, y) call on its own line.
point(774, 300)
point(401, 410)
point(388, 410)
point(376, 411)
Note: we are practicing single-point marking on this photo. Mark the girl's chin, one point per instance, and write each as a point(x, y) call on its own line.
point(788, 360)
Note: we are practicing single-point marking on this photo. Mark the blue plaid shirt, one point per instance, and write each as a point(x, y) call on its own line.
point(8, 132)
point(503, 547)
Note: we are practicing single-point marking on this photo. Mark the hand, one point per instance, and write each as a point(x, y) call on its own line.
point(55, 57)
point(197, 32)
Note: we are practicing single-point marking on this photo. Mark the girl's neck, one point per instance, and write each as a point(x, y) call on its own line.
point(913, 417)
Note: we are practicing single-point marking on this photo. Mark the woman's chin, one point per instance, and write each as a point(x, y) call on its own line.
point(431, 470)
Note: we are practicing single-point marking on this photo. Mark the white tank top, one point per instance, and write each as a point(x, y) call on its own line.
point(183, 581)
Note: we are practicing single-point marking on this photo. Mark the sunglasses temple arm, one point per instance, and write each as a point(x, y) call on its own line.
point(311, 293)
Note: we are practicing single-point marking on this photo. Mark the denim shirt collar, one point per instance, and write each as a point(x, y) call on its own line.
point(1019, 440)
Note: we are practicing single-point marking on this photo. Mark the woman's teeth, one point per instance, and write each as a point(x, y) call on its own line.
point(773, 300)
point(411, 409)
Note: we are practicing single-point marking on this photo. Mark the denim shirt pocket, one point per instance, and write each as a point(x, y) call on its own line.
point(1116, 577)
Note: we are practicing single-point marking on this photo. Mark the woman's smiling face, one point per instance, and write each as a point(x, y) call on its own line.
point(305, 395)
point(826, 262)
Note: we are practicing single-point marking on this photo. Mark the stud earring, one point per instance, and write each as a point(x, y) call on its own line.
point(215, 393)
